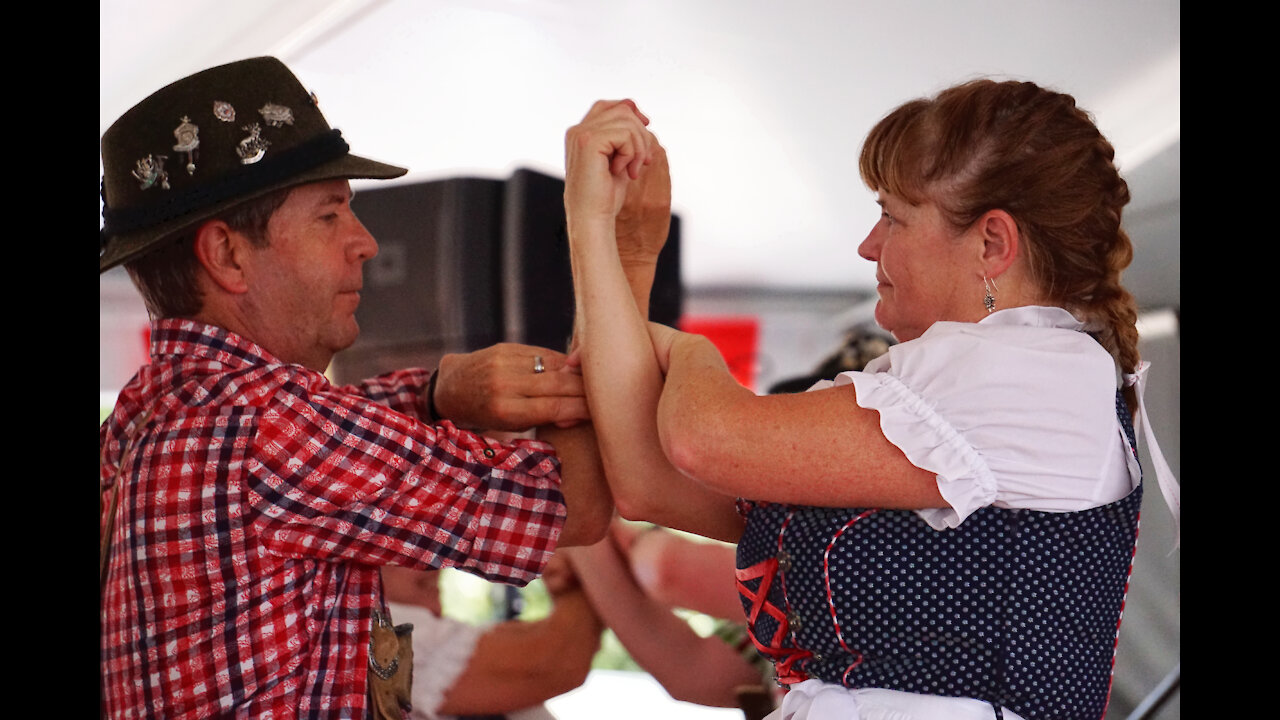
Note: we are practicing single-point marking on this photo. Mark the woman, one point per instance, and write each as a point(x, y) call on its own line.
point(948, 533)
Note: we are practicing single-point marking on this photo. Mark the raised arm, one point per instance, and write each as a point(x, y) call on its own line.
point(613, 164)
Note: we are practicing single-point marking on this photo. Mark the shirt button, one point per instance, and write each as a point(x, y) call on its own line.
point(488, 452)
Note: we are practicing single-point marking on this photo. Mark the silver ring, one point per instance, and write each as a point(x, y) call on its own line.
point(538, 367)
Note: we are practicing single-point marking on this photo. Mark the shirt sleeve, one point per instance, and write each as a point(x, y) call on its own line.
point(400, 390)
point(335, 476)
point(1011, 416)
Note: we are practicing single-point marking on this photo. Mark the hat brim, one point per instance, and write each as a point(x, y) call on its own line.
point(123, 247)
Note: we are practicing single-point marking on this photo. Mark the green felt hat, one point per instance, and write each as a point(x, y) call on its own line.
point(201, 145)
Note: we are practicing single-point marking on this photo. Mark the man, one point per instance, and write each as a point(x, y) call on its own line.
point(247, 502)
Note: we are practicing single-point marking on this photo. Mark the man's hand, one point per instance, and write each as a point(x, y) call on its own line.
point(644, 221)
point(558, 575)
point(497, 389)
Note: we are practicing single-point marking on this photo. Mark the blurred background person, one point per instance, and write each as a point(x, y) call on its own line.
point(504, 670)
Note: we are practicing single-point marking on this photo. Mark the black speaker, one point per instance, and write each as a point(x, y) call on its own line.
point(666, 300)
point(464, 263)
point(538, 300)
point(435, 285)
point(537, 279)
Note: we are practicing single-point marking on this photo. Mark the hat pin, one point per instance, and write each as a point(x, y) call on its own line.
point(188, 135)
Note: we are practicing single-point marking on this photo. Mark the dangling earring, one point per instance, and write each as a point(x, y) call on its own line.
point(989, 300)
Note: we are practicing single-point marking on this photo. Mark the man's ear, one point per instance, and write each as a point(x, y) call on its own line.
point(1001, 243)
point(220, 251)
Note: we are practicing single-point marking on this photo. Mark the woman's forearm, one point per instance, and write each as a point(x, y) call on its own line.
point(624, 384)
point(621, 373)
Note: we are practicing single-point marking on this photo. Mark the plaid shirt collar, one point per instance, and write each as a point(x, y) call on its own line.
point(192, 338)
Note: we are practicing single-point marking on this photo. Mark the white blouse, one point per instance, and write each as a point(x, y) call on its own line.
point(1016, 411)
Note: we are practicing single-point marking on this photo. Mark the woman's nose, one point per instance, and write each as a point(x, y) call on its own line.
point(869, 249)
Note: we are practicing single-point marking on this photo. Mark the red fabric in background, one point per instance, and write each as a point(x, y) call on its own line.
point(735, 336)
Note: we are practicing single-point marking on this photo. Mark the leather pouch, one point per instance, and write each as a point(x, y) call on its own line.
point(390, 668)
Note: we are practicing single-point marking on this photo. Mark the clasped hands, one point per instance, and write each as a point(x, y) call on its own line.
point(616, 173)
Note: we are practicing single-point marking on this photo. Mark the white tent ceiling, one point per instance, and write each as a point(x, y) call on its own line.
point(761, 104)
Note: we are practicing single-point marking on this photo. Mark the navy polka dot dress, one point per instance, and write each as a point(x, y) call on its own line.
point(1019, 608)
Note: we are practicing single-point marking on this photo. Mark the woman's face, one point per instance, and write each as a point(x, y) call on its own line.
point(925, 270)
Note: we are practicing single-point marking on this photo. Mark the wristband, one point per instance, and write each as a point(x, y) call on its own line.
point(431, 397)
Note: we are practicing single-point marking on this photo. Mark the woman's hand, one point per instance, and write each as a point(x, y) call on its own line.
point(663, 339)
point(603, 153)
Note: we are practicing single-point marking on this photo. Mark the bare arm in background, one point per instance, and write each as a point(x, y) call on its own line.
point(680, 572)
point(515, 664)
point(691, 668)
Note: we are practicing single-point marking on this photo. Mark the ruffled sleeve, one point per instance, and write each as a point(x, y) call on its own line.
point(1009, 415)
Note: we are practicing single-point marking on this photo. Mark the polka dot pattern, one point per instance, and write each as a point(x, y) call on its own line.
point(1017, 607)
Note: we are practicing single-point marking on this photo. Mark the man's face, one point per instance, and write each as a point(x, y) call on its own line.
point(304, 286)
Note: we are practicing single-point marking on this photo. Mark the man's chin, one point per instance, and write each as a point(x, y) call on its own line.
point(346, 338)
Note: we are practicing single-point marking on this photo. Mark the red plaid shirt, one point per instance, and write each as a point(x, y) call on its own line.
point(256, 507)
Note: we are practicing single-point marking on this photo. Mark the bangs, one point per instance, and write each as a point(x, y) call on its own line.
point(896, 156)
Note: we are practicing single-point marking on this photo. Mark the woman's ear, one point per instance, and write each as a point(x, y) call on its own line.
point(219, 250)
point(1001, 242)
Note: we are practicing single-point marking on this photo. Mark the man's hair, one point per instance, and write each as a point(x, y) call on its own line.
point(167, 276)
